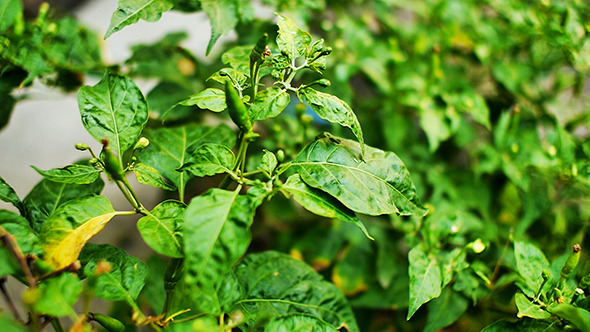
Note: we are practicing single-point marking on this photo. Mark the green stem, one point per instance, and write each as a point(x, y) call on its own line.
point(240, 160)
point(57, 325)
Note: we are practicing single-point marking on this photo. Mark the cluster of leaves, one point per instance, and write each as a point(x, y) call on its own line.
point(484, 100)
point(205, 281)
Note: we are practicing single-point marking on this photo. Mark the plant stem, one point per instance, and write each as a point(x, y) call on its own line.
point(8, 300)
point(10, 243)
point(240, 162)
point(57, 325)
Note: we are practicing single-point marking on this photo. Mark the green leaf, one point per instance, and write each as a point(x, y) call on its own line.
point(216, 235)
point(522, 325)
point(8, 195)
point(331, 108)
point(298, 323)
point(276, 284)
point(379, 185)
point(223, 17)
point(9, 12)
point(291, 40)
point(211, 99)
point(47, 196)
point(71, 226)
point(150, 176)
point(318, 202)
point(269, 103)
point(269, 162)
point(425, 279)
point(131, 11)
point(530, 262)
point(527, 309)
point(161, 229)
point(10, 325)
point(579, 317)
point(209, 159)
point(114, 109)
point(19, 227)
point(8, 264)
point(170, 148)
point(57, 295)
point(445, 310)
point(124, 280)
point(80, 174)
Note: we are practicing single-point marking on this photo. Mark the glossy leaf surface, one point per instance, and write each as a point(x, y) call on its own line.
point(320, 203)
point(530, 262)
point(291, 40)
point(79, 174)
point(161, 229)
point(209, 159)
point(210, 99)
point(171, 147)
point(115, 109)
point(276, 284)
point(71, 226)
point(425, 279)
point(216, 235)
point(150, 176)
point(8, 195)
point(331, 108)
point(378, 185)
point(125, 278)
point(47, 196)
point(269, 103)
point(298, 323)
point(131, 11)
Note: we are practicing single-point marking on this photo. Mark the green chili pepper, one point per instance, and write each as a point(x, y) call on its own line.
point(111, 163)
point(109, 323)
point(572, 261)
point(237, 109)
point(259, 51)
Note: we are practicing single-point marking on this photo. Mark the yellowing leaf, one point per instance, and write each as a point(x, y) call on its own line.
point(71, 226)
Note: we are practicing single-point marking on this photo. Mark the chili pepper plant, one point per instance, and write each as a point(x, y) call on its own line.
point(278, 212)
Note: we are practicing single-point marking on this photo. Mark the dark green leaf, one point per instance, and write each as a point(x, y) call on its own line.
point(114, 109)
point(131, 11)
point(522, 325)
point(528, 309)
point(298, 323)
point(211, 99)
point(153, 292)
point(579, 317)
point(445, 310)
point(9, 12)
point(149, 176)
point(80, 174)
point(161, 229)
point(71, 226)
point(425, 279)
point(7, 194)
point(530, 262)
point(378, 185)
point(269, 103)
point(57, 295)
point(276, 284)
point(223, 17)
point(216, 235)
point(7, 103)
point(47, 196)
point(291, 40)
point(123, 281)
point(209, 159)
point(332, 109)
point(170, 148)
point(318, 202)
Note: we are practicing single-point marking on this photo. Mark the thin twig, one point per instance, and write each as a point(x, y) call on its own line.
point(9, 302)
point(10, 243)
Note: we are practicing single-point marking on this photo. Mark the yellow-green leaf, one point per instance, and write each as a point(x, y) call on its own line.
point(71, 226)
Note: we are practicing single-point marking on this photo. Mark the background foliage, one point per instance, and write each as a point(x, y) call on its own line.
point(484, 101)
